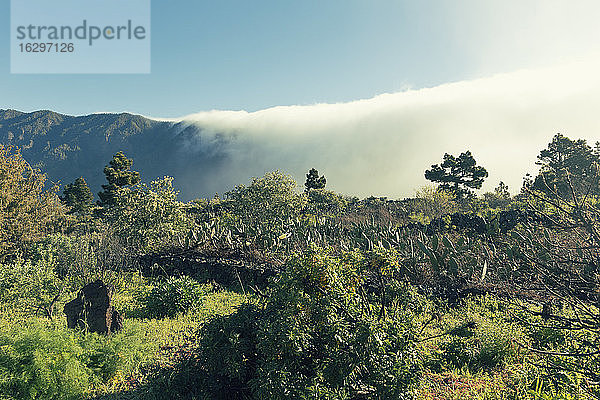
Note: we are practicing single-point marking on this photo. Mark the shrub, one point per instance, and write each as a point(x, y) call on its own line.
point(173, 296)
point(266, 202)
point(320, 334)
point(41, 361)
point(431, 204)
point(325, 202)
point(27, 210)
point(31, 287)
point(148, 218)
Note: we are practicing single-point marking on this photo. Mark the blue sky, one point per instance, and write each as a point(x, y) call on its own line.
point(252, 55)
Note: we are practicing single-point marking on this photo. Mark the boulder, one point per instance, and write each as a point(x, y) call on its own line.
point(92, 310)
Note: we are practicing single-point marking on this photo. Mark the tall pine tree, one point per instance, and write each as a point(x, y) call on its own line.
point(78, 197)
point(458, 174)
point(118, 176)
point(314, 181)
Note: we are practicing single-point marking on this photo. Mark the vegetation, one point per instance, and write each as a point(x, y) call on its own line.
point(28, 210)
point(567, 165)
point(78, 197)
point(314, 181)
point(458, 174)
point(273, 292)
point(118, 175)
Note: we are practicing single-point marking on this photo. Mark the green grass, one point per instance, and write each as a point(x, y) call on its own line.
point(43, 359)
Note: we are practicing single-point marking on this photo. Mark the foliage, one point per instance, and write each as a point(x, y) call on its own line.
point(498, 199)
point(477, 336)
point(431, 204)
point(567, 164)
point(74, 256)
point(266, 202)
point(331, 328)
point(40, 361)
point(147, 218)
point(314, 181)
point(173, 296)
point(324, 202)
point(31, 288)
point(27, 210)
point(559, 253)
point(78, 197)
point(458, 174)
point(118, 176)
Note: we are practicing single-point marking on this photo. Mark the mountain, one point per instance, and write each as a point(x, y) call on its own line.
point(66, 147)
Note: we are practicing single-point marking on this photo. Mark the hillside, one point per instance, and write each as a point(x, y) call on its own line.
point(66, 147)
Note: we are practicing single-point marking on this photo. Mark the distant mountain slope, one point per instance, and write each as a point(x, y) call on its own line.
point(66, 147)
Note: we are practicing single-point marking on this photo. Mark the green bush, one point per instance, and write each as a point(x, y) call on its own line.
point(321, 334)
point(266, 202)
point(148, 217)
point(49, 361)
point(478, 338)
point(174, 295)
point(31, 287)
point(325, 202)
point(72, 256)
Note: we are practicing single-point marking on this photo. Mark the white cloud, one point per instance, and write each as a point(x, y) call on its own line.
point(381, 146)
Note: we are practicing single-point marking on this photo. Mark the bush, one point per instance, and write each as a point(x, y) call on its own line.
point(325, 202)
point(266, 202)
point(31, 287)
point(27, 210)
point(320, 334)
point(431, 204)
point(148, 218)
point(40, 361)
point(173, 296)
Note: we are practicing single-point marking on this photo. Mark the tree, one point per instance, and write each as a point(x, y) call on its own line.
point(561, 257)
point(500, 198)
point(314, 181)
point(567, 163)
point(119, 175)
point(431, 204)
point(266, 203)
point(458, 174)
point(149, 217)
point(78, 197)
point(27, 210)
point(502, 190)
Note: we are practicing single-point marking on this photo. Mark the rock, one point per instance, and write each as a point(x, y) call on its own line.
point(92, 310)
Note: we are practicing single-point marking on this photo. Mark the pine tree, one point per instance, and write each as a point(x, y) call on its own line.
point(567, 163)
point(458, 174)
point(78, 197)
point(314, 181)
point(118, 175)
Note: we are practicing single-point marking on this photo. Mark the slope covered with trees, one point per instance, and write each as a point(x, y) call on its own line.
point(67, 147)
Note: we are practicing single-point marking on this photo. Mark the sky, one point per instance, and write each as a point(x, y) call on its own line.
point(252, 55)
point(382, 145)
point(370, 92)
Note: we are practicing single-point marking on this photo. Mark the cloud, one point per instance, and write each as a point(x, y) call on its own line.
point(381, 146)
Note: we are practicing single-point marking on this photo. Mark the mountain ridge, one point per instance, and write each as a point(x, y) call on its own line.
point(66, 147)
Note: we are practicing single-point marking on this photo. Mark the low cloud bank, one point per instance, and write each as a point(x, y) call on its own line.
point(381, 146)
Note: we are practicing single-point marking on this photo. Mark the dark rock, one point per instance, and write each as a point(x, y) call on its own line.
point(92, 310)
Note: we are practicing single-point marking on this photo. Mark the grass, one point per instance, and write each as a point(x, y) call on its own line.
point(43, 359)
